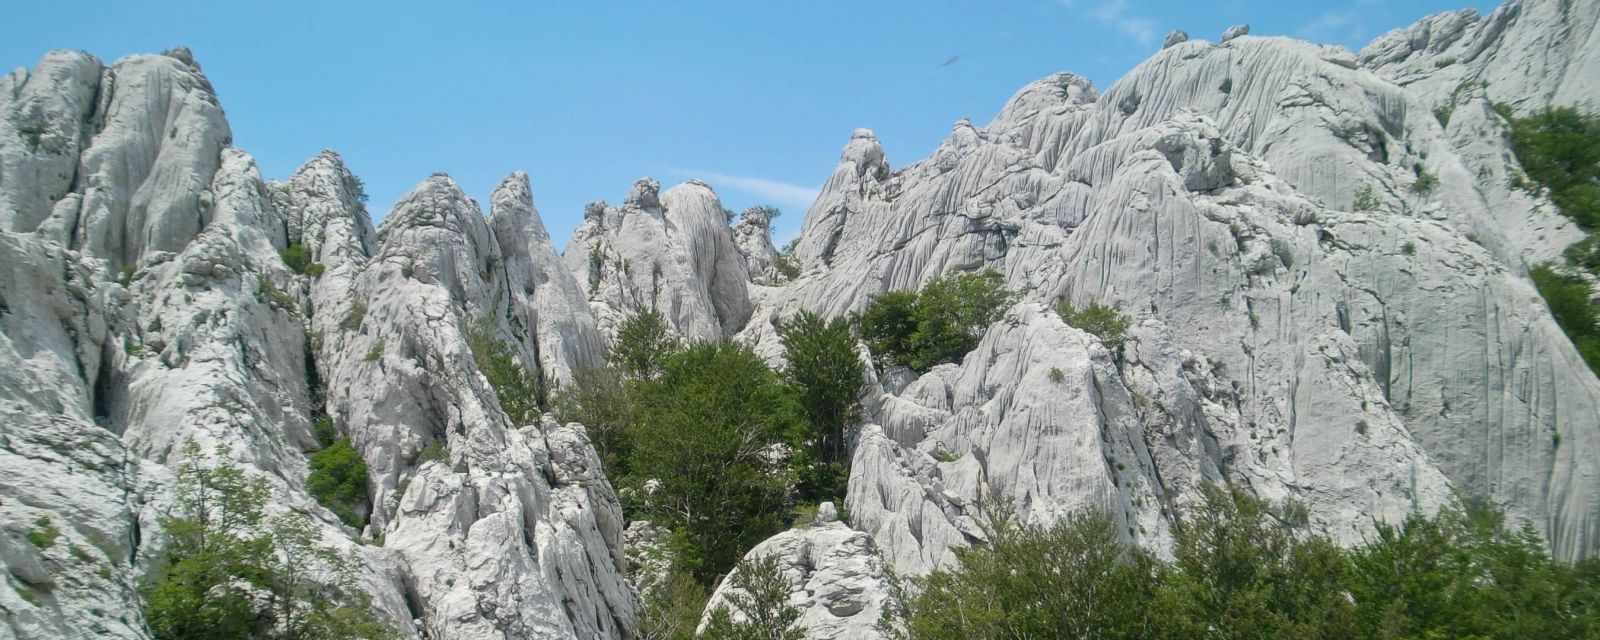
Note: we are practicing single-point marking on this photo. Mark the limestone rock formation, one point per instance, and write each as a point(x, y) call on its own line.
point(840, 583)
point(670, 251)
point(144, 303)
point(752, 233)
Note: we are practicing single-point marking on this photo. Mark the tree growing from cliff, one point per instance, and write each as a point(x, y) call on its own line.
point(823, 366)
point(229, 572)
point(938, 324)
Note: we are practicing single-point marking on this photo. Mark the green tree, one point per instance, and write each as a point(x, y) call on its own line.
point(939, 324)
point(760, 594)
point(1244, 569)
point(603, 401)
point(521, 393)
point(643, 342)
point(338, 480)
point(708, 430)
point(824, 367)
point(1074, 579)
point(222, 554)
point(1560, 148)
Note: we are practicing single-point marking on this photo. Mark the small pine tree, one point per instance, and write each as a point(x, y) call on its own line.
point(760, 594)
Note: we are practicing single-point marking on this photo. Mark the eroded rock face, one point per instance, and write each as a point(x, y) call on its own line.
point(1208, 195)
point(146, 304)
point(670, 251)
point(840, 583)
point(1529, 54)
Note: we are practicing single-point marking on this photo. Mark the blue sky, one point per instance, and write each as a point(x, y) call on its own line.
point(756, 98)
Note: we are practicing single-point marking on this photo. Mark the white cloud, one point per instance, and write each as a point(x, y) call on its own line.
point(1115, 13)
point(793, 197)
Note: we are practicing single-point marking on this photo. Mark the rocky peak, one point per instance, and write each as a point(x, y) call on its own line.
point(645, 194)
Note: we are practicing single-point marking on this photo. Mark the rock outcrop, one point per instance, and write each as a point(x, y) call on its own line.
point(672, 252)
point(840, 583)
point(144, 304)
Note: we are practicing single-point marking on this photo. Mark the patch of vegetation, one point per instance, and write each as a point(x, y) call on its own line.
point(375, 352)
point(295, 257)
point(823, 366)
point(706, 431)
point(1425, 183)
point(520, 392)
point(1366, 198)
point(1568, 299)
point(125, 277)
point(942, 454)
point(1104, 322)
point(1409, 248)
point(315, 269)
point(672, 611)
point(1442, 114)
point(787, 266)
point(325, 433)
point(268, 292)
point(760, 593)
point(436, 451)
point(643, 342)
point(44, 533)
point(230, 572)
point(338, 480)
point(1560, 149)
point(132, 348)
point(939, 324)
point(1242, 568)
point(1056, 375)
point(358, 312)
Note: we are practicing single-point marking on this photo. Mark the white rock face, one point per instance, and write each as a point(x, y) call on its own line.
point(513, 531)
point(1529, 54)
point(148, 305)
point(1208, 195)
point(752, 233)
point(669, 251)
point(839, 581)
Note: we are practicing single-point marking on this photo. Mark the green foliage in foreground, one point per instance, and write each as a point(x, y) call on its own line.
point(760, 595)
point(229, 572)
point(938, 324)
point(1568, 298)
point(1244, 569)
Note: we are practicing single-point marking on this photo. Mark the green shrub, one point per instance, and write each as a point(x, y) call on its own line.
point(1072, 580)
point(760, 593)
point(1560, 149)
point(229, 572)
point(324, 432)
point(1366, 199)
point(375, 351)
point(787, 266)
point(671, 611)
point(44, 533)
point(643, 341)
point(824, 368)
point(125, 277)
point(315, 269)
point(1409, 248)
point(1057, 376)
point(1098, 320)
point(267, 292)
point(1568, 299)
point(358, 313)
point(1425, 183)
point(338, 480)
point(938, 324)
point(602, 401)
point(436, 451)
point(295, 257)
point(521, 393)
